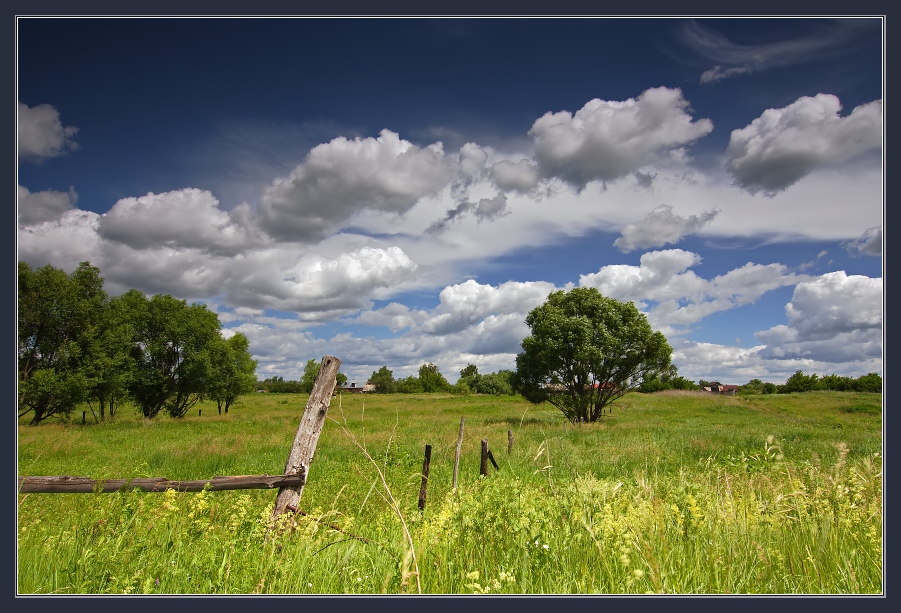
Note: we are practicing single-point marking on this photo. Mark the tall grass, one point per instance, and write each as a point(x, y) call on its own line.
point(759, 495)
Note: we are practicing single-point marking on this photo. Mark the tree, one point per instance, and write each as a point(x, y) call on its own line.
point(431, 379)
point(799, 382)
point(110, 367)
point(233, 370)
point(383, 380)
point(585, 351)
point(310, 371)
point(870, 382)
point(171, 348)
point(57, 317)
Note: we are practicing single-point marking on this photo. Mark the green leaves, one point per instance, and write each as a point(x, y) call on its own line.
point(586, 350)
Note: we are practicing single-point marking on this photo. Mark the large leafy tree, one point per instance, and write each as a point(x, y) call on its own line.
point(58, 315)
point(431, 379)
point(585, 351)
point(233, 370)
point(383, 380)
point(171, 348)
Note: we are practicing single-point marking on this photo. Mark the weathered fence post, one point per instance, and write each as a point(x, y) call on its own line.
point(509, 442)
point(425, 476)
point(307, 435)
point(457, 454)
point(483, 468)
point(84, 417)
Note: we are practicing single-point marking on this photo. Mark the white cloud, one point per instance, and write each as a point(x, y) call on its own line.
point(833, 318)
point(343, 177)
point(606, 140)
point(521, 176)
point(784, 145)
point(62, 242)
point(183, 219)
point(868, 243)
point(465, 304)
point(41, 134)
point(49, 205)
point(661, 227)
point(394, 316)
point(675, 296)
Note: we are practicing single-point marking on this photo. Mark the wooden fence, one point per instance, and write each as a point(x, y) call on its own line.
point(290, 484)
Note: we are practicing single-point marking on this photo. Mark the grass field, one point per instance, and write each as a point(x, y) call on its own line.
point(672, 493)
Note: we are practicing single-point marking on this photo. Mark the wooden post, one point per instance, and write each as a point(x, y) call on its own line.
point(307, 435)
point(483, 469)
point(425, 476)
point(509, 442)
point(199, 412)
point(457, 454)
point(84, 417)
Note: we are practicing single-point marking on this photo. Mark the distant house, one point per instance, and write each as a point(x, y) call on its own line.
point(718, 388)
point(353, 388)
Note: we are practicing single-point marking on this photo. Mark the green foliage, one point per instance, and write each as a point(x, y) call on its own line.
point(172, 353)
point(233, 370)
point(756, 386)
point(500, 383)
point(409, 385)
point(59, 321)
point(310, 372)
point(799, 382)
point(586, 350)
point(383, 380)
point(431, 379)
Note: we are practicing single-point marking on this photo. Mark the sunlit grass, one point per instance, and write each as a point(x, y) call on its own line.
point(672, 494)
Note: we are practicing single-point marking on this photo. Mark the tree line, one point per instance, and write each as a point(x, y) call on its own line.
point(430, 379)
point(280, 385)
point(78, 345)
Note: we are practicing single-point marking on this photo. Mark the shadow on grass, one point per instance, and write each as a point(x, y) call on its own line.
point(524, 421)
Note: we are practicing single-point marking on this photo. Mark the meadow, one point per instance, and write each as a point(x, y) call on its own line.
point(685, 493)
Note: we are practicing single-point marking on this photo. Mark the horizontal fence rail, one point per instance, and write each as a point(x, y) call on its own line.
point(85, 485)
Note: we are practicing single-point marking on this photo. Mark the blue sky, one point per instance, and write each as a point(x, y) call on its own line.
point(400, 191)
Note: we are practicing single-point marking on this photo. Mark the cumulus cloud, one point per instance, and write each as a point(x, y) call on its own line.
point(464, 304)
point(606, 140)
point(183, 219)
point(868, 243)
point(675, 296)
point(784, 145)
point(41, 134)
point(832, 318)
point(49, 205)
point(343, 177)
point(521, 176)
point(181, 243)
point(394, 316)
point(62, 242)
point(661, 227)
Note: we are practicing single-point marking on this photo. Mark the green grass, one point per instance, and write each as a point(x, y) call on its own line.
point(671, 493)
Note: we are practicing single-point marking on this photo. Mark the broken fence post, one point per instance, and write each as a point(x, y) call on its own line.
point(457, 453)
point(491, 457)
point(307, 435)
point(425, 476)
